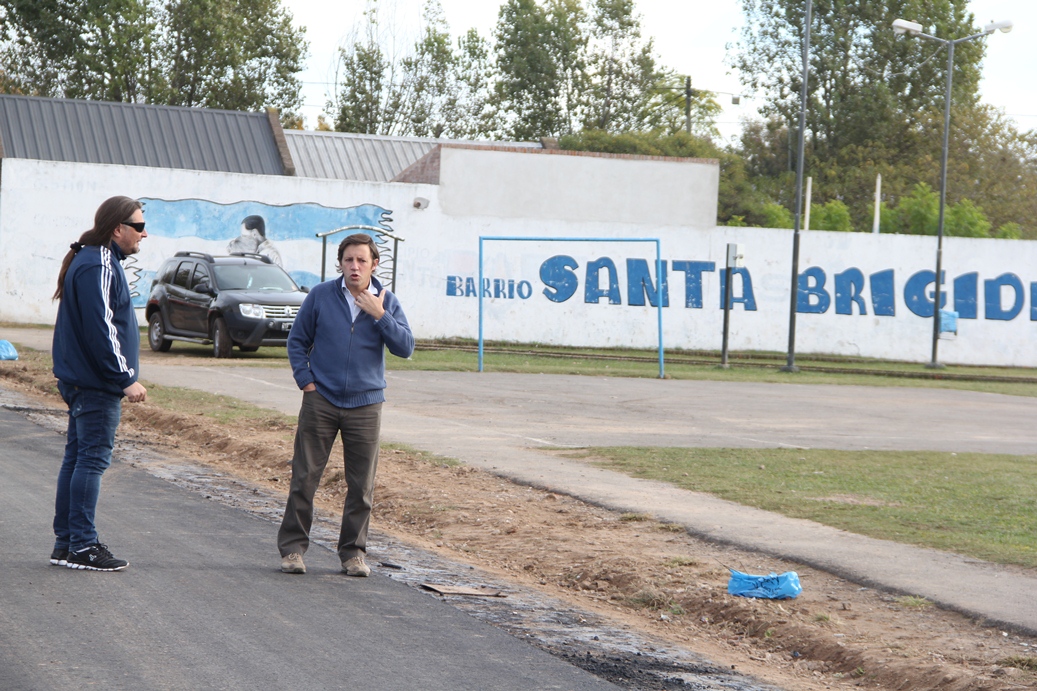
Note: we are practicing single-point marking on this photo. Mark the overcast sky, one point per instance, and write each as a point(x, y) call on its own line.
point(691, 37)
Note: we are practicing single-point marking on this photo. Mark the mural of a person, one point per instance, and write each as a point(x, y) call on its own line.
point(253, 239)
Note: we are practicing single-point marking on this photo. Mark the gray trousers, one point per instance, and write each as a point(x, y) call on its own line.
point(319, 423)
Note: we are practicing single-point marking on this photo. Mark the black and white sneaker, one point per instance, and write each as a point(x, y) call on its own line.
point(59, 557)
point(95, 558)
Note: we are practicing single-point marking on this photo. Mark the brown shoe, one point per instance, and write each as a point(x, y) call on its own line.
point(292, 563)
point(356, 566)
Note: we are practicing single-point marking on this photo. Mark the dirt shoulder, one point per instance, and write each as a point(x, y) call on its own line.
point(628, 569)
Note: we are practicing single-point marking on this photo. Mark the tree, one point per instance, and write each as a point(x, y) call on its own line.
point(872, 96)
point(832, 215)
point(777, 216)
point(231, 54)
point(429, 74)
point(965, 219)
point(369, 85)
point(529, 82)
point(474, 115)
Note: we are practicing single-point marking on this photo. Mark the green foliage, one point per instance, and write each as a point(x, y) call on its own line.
point(530, 81)
point(777, 216)
point(832, 215)
point(1009, 231)
point(876, 106)
point(965, 219)
point(919, 212)
point(230, 54)
point(653, 143)
point(430, 75)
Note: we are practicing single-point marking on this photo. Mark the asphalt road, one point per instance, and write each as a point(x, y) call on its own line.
point(204, 606)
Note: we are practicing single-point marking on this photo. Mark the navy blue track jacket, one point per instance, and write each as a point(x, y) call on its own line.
point(97, 337)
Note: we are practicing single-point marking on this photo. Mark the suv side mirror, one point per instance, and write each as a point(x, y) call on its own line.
point(304, 289)
point(204, 288)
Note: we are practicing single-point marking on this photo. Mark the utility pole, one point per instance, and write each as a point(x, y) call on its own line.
point(688, 94)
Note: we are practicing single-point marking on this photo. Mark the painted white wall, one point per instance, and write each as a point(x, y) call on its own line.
point(568, 186)
point(46, 205)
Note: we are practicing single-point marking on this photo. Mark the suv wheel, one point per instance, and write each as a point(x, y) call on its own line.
point(221, 343)
point(156, 334)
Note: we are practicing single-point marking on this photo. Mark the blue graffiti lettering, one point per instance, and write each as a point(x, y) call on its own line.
point(454, 286)
point(966, 290)
point(920, 300)
point(639, 282)
point(559, 278)
point(848, 288)
point(593, 291)
point(992, 291)
point(811, 286)
point(883, 293)
point(693, 281)
point(748, 298)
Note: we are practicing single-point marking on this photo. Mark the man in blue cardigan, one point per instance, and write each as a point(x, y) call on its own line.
point(337, 352)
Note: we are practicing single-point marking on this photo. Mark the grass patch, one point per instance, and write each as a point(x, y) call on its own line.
point(1019, 662)
point(649, 599)
point(914, 602)
point(635, 517)
point(433, 458)
point(677, 562)
point(981, 505)
point(745, 366)
point(222, 409)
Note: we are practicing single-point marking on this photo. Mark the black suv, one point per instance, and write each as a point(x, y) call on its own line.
point(241, 300)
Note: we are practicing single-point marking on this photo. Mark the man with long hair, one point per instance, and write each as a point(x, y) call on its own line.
point(96, 347)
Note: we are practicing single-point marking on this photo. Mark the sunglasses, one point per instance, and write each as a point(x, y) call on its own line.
point(139, 227)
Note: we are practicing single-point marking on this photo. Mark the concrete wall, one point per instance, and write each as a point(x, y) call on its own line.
point(860, 294)
point(579, 187)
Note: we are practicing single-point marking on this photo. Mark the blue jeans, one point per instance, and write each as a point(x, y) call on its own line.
point(93, 416)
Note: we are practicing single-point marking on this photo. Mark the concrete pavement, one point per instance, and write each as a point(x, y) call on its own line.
point(497, 421)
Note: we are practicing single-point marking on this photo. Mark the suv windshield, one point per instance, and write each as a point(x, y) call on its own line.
point(253, 277)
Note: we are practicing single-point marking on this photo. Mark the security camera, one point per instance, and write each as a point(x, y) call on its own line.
point(902, 26)
point(1004, 27)
point(420, 203)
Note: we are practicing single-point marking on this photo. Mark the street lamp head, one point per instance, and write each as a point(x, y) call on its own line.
point(1004, 27)
point(902, 26)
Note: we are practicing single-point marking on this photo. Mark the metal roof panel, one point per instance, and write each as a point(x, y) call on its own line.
point(138, 135)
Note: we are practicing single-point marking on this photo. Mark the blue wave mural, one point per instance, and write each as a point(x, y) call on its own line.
point(208, 220)
point(249, 226)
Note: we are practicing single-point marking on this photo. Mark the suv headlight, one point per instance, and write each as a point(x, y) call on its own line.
point(252, 311)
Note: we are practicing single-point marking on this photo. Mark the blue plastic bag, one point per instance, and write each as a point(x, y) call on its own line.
point(7, 351)
point(772, 587)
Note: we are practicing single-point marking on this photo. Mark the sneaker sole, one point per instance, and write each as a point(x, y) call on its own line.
point(357, 574)
point(293, 570)
point(59, 562)
point(84, 567)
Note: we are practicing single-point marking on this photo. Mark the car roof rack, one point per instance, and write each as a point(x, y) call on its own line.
point(252, 255)
point(199, 255)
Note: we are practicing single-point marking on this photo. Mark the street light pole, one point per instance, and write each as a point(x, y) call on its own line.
point(790, 363)
point(937, 293)
point(900, 27)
